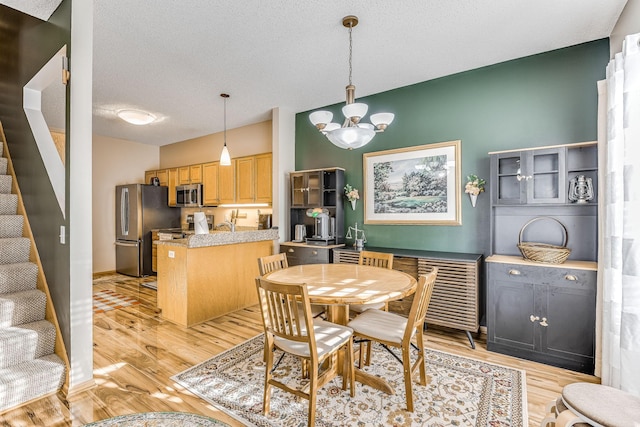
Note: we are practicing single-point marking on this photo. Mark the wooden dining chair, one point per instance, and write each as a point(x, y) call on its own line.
point(393, 330)
point(296, 332)
point(373, 259)
point(267, 264)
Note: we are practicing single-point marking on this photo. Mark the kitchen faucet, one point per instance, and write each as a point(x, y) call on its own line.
point(229, 224)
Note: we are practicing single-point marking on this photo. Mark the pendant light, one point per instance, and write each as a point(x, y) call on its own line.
point(352, 134)
point(225, 159)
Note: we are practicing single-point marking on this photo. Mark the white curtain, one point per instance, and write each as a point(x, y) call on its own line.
point(619, 212)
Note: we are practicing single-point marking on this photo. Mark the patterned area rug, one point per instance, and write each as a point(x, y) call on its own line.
point(159, 419)
point(110, 300)
point(459, 391)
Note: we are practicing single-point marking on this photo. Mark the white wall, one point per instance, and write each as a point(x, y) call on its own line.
point(115, 162)
point(628, 23)
point(80, 289)
point(284, 142)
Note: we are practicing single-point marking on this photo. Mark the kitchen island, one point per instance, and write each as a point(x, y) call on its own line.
point(207, 275)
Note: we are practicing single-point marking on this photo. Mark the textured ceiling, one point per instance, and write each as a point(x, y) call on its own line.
point(41, 9)
point(173, 59)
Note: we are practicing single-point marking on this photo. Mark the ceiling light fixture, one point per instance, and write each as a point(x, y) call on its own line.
point(352, 134)
point(225, 159)
point(136, 117)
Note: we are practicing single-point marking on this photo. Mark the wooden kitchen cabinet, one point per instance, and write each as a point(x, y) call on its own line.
point(253, 179)
point(195, 174)
point(184, 176)
point(245, 180)
point(263, 177)
point(227, 183)
point(163, 176)
point(211, 195)
point(172, 183)
point(544, 313)
point(149, 175)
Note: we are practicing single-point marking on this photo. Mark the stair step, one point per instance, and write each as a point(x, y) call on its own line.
point(19, 344)
point(3, 165)
point(5, 184)
point(8, 204)
point(30, 380)
point(22, 307)
point(14, 249)
point(18, 277)
point(11, 225)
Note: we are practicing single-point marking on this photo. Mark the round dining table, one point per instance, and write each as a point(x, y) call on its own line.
point(339, 285)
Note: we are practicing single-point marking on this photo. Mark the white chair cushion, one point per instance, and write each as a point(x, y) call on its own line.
point(381, 325)
point(602, 405)
point(359, 308)
point(329, 336)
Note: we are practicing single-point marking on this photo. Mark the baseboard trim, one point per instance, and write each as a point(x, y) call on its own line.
point(80, 388)
point(103, 273)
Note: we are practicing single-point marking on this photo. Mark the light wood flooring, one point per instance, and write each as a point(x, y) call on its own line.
point(135, 354)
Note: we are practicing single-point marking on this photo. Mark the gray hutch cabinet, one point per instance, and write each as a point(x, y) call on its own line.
point(541, 311)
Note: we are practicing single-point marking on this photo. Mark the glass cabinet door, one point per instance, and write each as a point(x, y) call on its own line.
point(298, 190)
point(314, 189)
point(509, 178)
point(547, 176)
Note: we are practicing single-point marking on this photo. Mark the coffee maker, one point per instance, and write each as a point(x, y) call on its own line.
point(324, 227)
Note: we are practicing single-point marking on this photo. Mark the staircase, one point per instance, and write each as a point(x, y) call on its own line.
point(29, 368)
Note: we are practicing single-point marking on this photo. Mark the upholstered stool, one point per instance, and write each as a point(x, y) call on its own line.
point(595, 405)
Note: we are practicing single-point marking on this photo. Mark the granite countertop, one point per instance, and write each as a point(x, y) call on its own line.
point(217, 238)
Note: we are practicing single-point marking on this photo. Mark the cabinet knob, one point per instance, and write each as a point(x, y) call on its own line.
point(291, 250)
point(571, 277)
point(544, 322)
point(314, 252)
point(514, 272)
point(533, 318)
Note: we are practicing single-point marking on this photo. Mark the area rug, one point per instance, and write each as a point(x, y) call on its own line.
point(459, 391)
point(110, 300)
point(159, 419)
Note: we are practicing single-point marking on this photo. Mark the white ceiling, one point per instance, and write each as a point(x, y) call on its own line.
point(173, 59)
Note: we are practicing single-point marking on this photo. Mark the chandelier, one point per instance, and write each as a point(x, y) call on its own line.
point(353, 133)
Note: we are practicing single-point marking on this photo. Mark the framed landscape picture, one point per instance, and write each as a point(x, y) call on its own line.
point(413, 185)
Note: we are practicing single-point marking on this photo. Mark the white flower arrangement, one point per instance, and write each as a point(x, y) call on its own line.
point(474, 185)
point(351, 193)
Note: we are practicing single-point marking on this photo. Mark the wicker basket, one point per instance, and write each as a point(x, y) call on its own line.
point(543, 252)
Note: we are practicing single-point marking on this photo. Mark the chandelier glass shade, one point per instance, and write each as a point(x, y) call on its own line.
point(352, 133)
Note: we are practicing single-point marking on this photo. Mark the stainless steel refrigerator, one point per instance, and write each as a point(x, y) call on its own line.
point(139, 209)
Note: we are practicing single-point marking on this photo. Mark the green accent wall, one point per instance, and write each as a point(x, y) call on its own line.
point(545, 99)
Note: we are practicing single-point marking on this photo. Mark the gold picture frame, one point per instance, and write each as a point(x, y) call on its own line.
point(413, 185)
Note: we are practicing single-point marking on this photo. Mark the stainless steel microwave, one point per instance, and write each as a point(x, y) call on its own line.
point(189, 195)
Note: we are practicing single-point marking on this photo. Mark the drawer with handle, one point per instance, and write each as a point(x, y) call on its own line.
point(298, 254)
point(558, 276)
